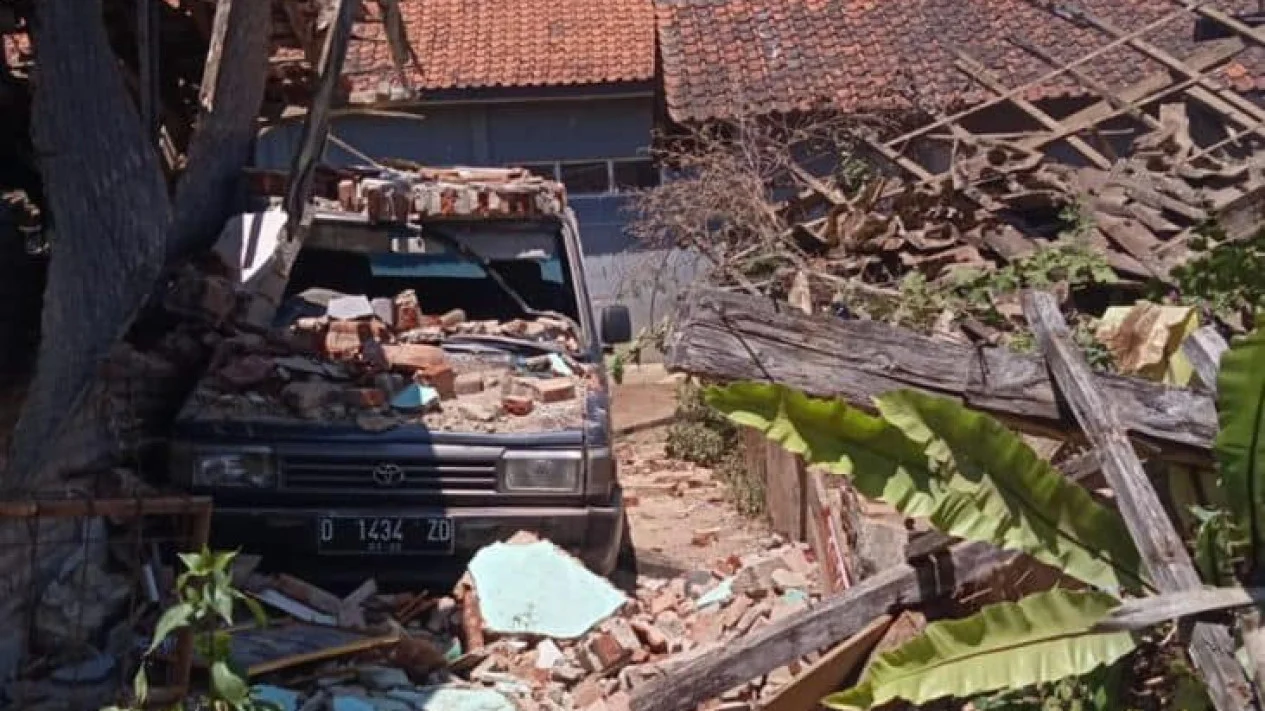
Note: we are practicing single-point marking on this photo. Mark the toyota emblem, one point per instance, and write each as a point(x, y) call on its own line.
point(388, 475)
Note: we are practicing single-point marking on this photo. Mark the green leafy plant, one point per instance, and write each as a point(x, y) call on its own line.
point(206, 601)
point(1224, 277)
point(962, 470)
point(1038, 639)
point(971, 477)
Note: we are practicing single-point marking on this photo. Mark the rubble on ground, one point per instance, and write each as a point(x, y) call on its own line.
point(576, 643)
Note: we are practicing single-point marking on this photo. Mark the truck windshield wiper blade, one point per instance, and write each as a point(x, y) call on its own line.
point(475, 258)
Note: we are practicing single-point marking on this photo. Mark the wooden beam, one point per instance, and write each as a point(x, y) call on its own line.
point(215, 54)
point(827, 674)
point(1243, 217)
point(1021, 90)
point(980, 74)
point(316, 124)
point(827, 624)
point(1087, 81)
point(1245, 31)
point(1163, 552)
point(1204, 349)
point(730, 336)
point(1142, 92)
point(1241, 107)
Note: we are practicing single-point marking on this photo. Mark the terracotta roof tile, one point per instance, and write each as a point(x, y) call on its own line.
point(464, 44)
point(722, 58)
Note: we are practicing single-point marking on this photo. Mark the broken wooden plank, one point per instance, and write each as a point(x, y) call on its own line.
point(1138, 242)
point(739, 337)
point(825, 625)
point(977, 71)
point(1204, 349)
point(827, 674)
point(1162, 550)
point(1147, 612)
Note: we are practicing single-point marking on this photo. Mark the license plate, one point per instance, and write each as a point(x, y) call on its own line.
point(385, 535)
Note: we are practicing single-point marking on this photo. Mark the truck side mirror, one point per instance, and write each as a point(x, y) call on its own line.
point(616, 325)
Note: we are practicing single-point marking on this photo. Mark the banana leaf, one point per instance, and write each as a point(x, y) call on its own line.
point(1042, 638)
point(879, 459)
point(1001, 491)
point(1240, 444)
point(1002, 494)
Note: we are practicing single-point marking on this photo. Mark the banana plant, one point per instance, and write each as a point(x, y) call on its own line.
point(972, 477)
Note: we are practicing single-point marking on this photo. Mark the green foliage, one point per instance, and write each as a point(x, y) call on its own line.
point(1095, 691)
point(1240, 443)
point(616, 364)
point(964, 471)
point(1225, 277)
point(1040, 639)
point(705, 437)
point(206, 600)
point(1220, 546)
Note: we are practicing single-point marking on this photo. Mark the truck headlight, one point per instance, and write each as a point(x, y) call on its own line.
point(541, 471)
point(228, 467)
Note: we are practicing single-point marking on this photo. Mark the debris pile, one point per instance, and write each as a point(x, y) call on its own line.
point(382, 363)
point(395, 196)
point(528, 627)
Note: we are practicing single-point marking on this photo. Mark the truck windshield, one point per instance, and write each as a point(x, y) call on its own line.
point(531, 260)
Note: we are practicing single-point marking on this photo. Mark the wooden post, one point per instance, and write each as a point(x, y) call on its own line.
point(1162, 549)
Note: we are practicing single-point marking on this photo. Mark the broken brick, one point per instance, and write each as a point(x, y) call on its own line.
point(736, 610)
point(547, 389)
point(343, 338)
point(602, 652)
point(439, 376)
point(586, 693)
point(408, 312)
point(650, 636)
point(517, 405)
point(624, 635)
point(411, 357)
point(347, 197)
point(704, 537)
point(468, 383)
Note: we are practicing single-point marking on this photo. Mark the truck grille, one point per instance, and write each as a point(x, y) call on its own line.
point(464, 473)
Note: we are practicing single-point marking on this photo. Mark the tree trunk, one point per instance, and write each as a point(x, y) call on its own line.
point(236, 74)
point(106, 192)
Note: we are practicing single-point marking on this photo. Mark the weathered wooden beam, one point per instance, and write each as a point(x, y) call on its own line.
point(1204, 349)
point(826, 674)
point(977, 71)
point(316, 123)
point(1162, 550)
point(827, 624)
point(727, 336)
point(1145, 612)
point(1243, 217)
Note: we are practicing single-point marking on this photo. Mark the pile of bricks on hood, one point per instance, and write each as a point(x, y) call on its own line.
point(451, 642)
point(380, 359)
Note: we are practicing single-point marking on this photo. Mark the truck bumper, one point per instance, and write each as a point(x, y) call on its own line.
point(287, 539)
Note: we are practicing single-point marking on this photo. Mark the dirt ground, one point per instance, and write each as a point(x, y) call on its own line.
point(680, 515)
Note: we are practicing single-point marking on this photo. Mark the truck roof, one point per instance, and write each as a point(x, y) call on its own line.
point(387, 195)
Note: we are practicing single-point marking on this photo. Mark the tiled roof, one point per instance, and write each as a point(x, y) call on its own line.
point(722, 58)
point(467, 44)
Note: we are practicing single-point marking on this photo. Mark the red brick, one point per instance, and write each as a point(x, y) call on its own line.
point(439, 376)
point(602, 652)
point(517, 405)
point(546, 389)
point(411, 357)
point(343, 338)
